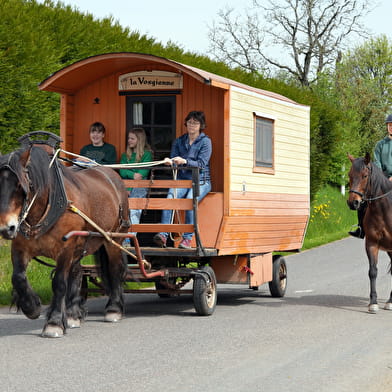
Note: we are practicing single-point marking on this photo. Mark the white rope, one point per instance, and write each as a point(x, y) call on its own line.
point(54, 157)
point(91, 162)
point(175, 171)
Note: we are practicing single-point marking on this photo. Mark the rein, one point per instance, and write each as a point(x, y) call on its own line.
point(90, 162)
point(378, 197)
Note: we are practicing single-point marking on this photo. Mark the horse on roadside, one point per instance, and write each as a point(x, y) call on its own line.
point(38, 196)
point(369, 185)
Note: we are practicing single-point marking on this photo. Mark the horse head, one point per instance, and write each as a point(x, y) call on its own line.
point(13, 190)
point(358, 180)
point(17, 185)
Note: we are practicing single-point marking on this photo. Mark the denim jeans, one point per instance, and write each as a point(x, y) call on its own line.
point(134, 215)
point(184, 193)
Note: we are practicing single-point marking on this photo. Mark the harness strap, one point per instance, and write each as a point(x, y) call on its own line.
point(356, 192)
point(378, 197)
point(102, 232)
point(56, 206)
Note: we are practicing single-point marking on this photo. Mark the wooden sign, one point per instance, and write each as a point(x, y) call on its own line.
point(150, 80)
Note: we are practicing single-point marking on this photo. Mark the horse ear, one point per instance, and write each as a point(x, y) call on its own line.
point(367, 158)
point(350, 157)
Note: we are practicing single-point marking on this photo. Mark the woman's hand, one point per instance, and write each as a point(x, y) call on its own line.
point(179, 161)
point(167, 161)
point(137, 176)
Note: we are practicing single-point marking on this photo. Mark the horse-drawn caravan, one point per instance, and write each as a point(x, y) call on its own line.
point(259, 203)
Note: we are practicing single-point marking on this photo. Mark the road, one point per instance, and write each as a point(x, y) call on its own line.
point(319, 337)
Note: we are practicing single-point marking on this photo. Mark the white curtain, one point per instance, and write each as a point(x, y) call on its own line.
point(137, 113)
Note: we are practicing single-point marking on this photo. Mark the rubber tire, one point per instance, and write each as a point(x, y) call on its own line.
point(278, 284)
point(205, 293)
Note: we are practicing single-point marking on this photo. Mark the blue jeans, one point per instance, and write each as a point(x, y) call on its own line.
point(134, 215)
point(184, 193)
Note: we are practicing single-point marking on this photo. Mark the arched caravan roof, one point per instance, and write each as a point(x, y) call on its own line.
point(72, 78)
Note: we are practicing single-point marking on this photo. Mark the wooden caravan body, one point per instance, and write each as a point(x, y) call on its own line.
point(252, 210)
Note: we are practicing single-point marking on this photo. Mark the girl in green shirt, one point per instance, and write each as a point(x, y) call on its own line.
point(138, 150)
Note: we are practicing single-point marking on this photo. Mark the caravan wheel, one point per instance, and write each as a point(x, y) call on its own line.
point(278, 283)
point(204, 292)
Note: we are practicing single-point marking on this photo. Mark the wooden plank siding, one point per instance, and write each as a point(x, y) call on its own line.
point(67, 120)
point(265, 204)
point(291, 145)
point(263, 222)
point(244, 235)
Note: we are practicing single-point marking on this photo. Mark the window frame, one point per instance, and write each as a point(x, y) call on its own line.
point(256, 167)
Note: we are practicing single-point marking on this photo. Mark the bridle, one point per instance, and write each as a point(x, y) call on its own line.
point(56, 204)
point(362, 195)
point(28, 200)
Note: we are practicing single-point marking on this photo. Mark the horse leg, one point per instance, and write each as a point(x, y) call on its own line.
point(388, 305)
point(56, 320)
point(75, 304)
point(23, 295)
point(113, 272)
point(372, 253)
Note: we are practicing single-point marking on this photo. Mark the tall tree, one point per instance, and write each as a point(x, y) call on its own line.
point(364, 85)
point(308, 35)
point(360, 88)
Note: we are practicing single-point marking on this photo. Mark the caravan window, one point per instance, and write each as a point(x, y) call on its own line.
point(264, 144)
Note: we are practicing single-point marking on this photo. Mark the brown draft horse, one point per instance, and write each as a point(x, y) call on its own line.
point(35, 197)
point(369, 185)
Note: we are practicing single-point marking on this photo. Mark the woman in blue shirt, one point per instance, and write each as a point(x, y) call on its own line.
point(193, 149)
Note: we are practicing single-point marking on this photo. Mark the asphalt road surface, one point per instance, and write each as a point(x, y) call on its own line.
point(319, 337)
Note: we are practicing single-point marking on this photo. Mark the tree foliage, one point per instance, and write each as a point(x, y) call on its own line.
point(38, 39)
point(361, 91)
point(364, 86)
point(307, 34)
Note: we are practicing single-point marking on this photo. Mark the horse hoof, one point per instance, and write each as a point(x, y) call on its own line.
point(73, 323)
point(388, 306)
point(113, 317)
point(52, 331)
point(373, 308)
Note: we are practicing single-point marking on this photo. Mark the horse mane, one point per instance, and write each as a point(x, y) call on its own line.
point(36, 161)
point(378, 182)
point(378, 179)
